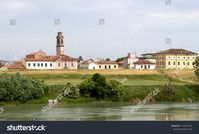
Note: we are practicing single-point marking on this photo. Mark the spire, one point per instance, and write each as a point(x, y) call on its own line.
point(60, 43)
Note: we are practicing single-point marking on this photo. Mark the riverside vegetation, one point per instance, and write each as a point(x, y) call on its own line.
point(39, 88)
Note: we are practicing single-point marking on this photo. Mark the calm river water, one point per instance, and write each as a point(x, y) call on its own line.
point(103, 111)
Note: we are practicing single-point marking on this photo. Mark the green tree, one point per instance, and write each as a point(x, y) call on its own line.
point(197, 66)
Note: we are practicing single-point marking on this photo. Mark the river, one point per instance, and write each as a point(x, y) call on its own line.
point(102, 112)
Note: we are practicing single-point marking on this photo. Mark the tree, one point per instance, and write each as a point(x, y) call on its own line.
point(119, 59)
point(108, 59)
point(197, 66)
point(98, 87)
point(80, 58)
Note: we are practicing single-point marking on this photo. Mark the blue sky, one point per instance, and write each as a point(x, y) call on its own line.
point(139, 26)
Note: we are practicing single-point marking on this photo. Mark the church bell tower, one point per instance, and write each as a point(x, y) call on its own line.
point(60, 43)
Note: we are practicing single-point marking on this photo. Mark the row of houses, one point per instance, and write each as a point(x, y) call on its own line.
point(167, 59)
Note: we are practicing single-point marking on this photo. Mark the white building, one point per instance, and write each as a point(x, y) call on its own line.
point(144, 64)
point(100, 65)
point(40, 60)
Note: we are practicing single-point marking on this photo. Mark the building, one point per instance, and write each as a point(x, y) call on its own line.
point(102, 64)
point(128, 62)
point(175, 59)
point(144, 64)
point(40, 60)
point(148, 56)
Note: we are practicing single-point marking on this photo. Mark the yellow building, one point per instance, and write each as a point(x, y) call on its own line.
point(175, 59)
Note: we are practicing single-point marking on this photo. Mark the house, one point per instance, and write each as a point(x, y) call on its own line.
point(88, 64)
point(128, 62)
point(100, 64)
point(16, 65)
point(144, 64)
point(175, 59)
point(107, 65)
point(40, 60)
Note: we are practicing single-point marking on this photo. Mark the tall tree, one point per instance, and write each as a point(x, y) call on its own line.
point(197, 66)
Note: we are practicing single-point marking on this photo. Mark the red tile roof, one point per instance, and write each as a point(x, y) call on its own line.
point(143, 62)
point(107, 62)
point(16, 65)
point(53, 58)
point(33, 53)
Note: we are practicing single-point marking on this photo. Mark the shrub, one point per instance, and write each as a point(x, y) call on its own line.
point(99, 88)
point(15, 87)
point(71, 91)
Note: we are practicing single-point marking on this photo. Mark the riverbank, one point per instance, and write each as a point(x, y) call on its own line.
point(136, 85)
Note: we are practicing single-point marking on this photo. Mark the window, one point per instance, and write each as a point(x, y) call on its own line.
point(169, 63)
point(100, 66)
point(184, 63)
point(72, 64)
point(193, 63)
point(38, 64)
point(174, 63)
point(105, 67)
point(29, 64)
point(114, 66)
point(65, 64)
point(148, 66)
point(141, 66)
point(178, 63)
point(184, 57)
point(46, 65)
point(188, 57)
point(51, 64)
point(42, 64)
point(58, 64)
point(188, 63)
point(109, 67)
point(33, 64)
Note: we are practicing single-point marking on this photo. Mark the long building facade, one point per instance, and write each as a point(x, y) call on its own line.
point(175, 59)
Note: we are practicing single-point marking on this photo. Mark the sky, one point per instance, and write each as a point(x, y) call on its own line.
point(97, 28)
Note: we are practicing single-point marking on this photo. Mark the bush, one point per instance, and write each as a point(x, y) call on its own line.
point(71, 91)
point(197, 66)
point(98, 87)
point(15, 87)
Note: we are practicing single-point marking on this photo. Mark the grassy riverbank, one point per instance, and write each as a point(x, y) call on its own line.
point(137, 84)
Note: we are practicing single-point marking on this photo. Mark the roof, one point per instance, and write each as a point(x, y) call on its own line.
point(107, 62)
point(53, 58)
point(176, 51)
point(143, 62)
point(37, 52)
point(120, 63)
point(16, 65)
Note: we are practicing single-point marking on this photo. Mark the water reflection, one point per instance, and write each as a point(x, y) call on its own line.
point(107, 112)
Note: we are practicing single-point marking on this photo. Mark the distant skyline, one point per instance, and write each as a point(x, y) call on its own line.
point(97, 28)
